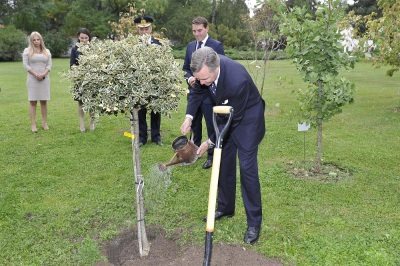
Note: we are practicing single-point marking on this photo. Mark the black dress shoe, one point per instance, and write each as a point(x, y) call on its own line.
point(207, 164)
point(251, 235)
point(219, 215)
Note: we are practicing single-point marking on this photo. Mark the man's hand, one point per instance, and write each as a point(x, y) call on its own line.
point(191, 81)
point(186, 125)
point(203, 148)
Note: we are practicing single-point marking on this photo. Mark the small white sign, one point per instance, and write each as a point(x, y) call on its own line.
point(303, 127)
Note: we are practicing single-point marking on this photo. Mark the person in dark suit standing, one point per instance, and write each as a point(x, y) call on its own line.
point(200, 32)
point(143, 24)
point(229, 83)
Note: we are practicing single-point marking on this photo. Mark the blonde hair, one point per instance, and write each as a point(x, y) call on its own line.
point(42, 48)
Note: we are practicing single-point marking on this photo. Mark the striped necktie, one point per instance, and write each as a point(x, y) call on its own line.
point(199, 44)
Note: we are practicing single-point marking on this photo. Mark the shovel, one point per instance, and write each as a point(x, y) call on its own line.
point(212, 197)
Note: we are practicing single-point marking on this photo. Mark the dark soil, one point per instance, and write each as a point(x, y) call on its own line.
point(123, 250)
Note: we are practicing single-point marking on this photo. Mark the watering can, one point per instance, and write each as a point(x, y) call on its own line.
point(185, 152)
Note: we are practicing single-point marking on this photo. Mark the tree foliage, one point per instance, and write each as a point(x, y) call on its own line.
point(172, 17)
point(265, 31)
point(385, 31)
point(364, 7)
point(12, 41)
point(117, 76)
point(313, 42)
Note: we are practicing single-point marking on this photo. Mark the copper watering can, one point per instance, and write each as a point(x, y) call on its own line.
point(185, 152)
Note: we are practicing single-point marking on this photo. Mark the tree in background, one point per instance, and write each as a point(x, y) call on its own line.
point(12, 41)
point(91, 14)
point(62, 18)
point(364, 8)
point(178, 16)
point(265, 29)
point(313, 43)
point(385, 31)
point(310, 5)
point(229, 23)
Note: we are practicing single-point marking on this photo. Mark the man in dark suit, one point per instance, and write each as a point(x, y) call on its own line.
point(200, 32)
point(233, 87)
point(143, 24)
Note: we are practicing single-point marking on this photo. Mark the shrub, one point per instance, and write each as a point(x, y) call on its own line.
point(57, 43)
point(117, 76)
point(12, 42)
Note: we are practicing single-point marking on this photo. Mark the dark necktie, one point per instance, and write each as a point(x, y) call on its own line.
point(199, 44)
point(213, 89)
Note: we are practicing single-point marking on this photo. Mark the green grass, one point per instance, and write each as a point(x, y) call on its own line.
point(63, 193)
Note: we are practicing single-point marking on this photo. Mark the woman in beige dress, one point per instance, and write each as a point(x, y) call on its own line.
point(37, 62)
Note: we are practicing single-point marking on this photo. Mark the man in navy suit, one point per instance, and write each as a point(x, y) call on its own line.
point(200, 32)
point(234, 87)
point(144, 27)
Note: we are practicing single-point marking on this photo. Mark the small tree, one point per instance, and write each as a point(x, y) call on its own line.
point(265, 29)
point(313, 43)
point(120, 77)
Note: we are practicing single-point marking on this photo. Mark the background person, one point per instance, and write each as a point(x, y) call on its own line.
point(200, 32)
point(234, 87)
point(144, 27)
point(84, 38)
point(37, 62)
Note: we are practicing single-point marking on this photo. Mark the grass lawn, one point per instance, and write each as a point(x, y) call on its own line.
point(63, 193)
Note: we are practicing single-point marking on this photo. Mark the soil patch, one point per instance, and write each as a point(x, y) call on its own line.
point(329, 172)
point(123, 250)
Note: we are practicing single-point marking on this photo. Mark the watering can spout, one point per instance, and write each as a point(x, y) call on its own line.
point(174, 160)
point(185, 153)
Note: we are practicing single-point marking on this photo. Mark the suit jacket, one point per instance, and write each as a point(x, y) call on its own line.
point(73, 59)
point(155, 41)
point(190, 49)
point(236, 88)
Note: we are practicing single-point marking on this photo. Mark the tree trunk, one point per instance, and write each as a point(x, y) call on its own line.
point(213, 11)
point(265, 61)
point(144, 246)
point(318, 158)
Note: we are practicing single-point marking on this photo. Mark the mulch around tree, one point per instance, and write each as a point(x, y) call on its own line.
point(123, 250)
point(329, 172)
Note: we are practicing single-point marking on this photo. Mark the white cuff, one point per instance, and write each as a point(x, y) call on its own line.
point(188, 80)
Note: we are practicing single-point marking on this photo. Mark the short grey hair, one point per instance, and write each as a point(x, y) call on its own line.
point(205, 56)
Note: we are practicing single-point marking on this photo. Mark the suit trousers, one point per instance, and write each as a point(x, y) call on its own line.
point(155, 126)
point(249, 180)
